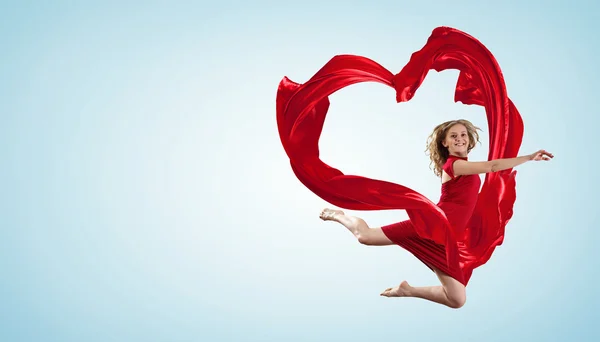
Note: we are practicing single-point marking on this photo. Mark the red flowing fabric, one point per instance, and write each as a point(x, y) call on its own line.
point(301, 112)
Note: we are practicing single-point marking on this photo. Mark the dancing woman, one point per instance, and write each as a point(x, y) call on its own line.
point(448, 147)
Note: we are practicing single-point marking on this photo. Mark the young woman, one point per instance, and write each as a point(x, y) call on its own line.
point(448, 147)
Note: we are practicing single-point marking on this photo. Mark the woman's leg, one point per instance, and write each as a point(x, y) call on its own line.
point(358, 227)
point(451, 293)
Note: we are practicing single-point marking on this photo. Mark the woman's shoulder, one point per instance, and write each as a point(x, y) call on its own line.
point(448, 165)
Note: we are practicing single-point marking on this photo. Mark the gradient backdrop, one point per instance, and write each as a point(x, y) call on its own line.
point(145, 195)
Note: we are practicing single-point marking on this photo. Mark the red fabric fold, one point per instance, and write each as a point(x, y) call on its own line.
point(301, 112)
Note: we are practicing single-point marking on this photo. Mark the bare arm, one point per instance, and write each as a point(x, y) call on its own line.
point(463, 167)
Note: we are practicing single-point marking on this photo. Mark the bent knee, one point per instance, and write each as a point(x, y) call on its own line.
point(457, 299)
point(366, 239)
point(370, 238)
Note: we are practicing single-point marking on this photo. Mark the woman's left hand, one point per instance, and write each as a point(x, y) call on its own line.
point(541, 155)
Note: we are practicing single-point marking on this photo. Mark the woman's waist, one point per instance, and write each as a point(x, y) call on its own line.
point(456, 204)
point(457, 211)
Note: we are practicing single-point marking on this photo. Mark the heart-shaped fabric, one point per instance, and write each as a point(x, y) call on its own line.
point(301, 111)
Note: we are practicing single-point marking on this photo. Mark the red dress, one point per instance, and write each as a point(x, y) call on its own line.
point(458, 200)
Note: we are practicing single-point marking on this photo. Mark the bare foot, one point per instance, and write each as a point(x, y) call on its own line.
point(403, 290)
point(329, 214)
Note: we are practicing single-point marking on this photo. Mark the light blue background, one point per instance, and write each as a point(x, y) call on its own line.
point(145, 195)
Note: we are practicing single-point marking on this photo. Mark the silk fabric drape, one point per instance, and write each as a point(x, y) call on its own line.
point(302, 108)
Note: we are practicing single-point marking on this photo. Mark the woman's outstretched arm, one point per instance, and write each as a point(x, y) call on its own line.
point(463, 167)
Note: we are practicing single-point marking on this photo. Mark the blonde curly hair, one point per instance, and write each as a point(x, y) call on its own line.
point(438, 154)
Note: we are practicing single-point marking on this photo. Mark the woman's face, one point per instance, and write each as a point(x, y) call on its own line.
point(457, 140)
